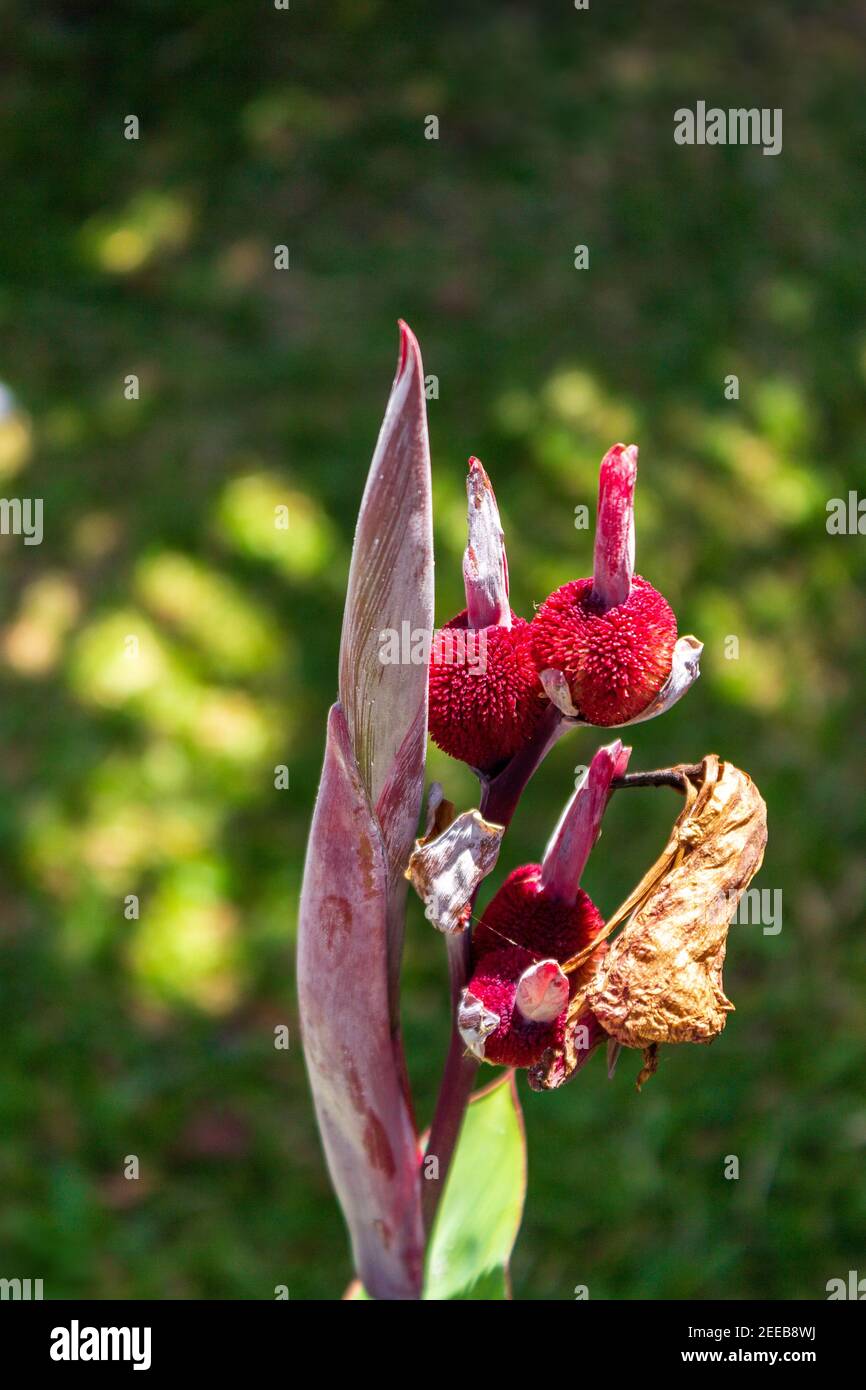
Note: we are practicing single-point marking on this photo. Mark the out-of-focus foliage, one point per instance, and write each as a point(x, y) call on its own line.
point(211, 521)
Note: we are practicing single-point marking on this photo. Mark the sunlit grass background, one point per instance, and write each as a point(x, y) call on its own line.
point(264, 389)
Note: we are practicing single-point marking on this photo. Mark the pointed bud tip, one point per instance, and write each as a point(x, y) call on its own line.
point(408, 348)
point(580, 823)
point(478, 483)
point(613, 564)
point(622, 758)
point(485, 566)
point(623, 457)
point(477, 470)
point(617, 755)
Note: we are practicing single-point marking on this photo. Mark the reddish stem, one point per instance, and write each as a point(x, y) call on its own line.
point(455, 1088)
point(499, 799)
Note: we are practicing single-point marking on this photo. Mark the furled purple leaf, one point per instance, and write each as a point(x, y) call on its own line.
point(390, 604)
point(350, 1050)
point(354, 891)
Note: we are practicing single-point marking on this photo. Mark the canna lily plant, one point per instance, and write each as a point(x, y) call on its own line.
point(540, 980)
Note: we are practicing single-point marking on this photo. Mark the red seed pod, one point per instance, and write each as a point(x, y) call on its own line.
point(485, 695)
point(611, 636)
point(615, 660)
point(514, 1008)
point(524, 935)
point(521, 913)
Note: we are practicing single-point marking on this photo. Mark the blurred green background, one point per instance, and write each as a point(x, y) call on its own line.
point(260, 388)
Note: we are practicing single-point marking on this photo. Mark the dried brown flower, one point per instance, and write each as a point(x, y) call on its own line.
point(661, 979)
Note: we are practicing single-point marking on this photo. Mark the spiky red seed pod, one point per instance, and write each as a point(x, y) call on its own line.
point(615, 660)
point(522, 914)
point(516, 1040)
point(611, 637)
point(485, 695)
point(521, 927)
point(515, 1006)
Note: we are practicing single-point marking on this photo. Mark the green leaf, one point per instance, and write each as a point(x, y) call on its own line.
point(482, 1205)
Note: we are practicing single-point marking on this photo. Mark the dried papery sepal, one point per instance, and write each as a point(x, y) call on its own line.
point(440, 812)
point(558, 692)
point(445, 869)
point(650, 1066)
point(685, 670)
point(475, 1023)
point(582, 1035)
point(485, 565)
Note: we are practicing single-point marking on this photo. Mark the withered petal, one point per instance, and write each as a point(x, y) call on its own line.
point(662, 978)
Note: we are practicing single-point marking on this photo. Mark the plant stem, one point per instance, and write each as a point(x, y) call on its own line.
point(454, 1090)
point(499, 799)
point(662, 777)
point(501, 794)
